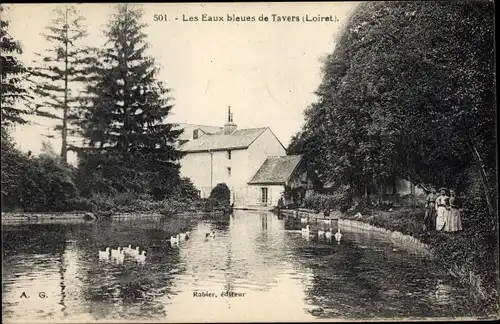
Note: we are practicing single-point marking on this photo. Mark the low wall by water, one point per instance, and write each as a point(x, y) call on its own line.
point(393, 235)
point(19, 218)
point(310, 214)
point(465, 276)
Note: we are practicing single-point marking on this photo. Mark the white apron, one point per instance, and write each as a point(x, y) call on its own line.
point(442, 212)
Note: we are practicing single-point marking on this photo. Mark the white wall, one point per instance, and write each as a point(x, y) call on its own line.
point(244, 164)
point(196, 166)
point(200, 168)
point(254, 195)
point(265, 145)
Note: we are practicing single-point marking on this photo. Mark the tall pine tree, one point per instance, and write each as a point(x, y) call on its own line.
point(128, 141)
point(12, 71)
point(61, 71)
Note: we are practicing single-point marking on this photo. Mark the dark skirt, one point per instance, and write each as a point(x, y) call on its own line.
point(430, 217)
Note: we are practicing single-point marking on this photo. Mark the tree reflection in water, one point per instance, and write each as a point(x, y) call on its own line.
point(283, 274)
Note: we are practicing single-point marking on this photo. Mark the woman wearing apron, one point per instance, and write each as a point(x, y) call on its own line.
point(455, 217)
point(430, 210)
point(442, 205)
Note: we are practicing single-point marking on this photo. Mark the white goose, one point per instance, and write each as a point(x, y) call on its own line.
point(135, 252)
point(321, 233)
point(115, 253)
point(104, 254)
point(141, 257)
point(305, 230)
point(174, 240)
point(127, 249)
point(120, 257)
point(338, 235)
point(303, 220)
point(328, 234)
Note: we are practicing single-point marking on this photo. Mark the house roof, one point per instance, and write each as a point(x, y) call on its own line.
point(276, 170)
point(239, 139)
point(189, 128)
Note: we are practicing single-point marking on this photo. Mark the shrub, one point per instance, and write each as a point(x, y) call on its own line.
point(220, 195)
point(103, 202)
point(280, 202)
point(81, 204)
point(327, 202)
point(35, 183)
point(186, 190)
point(125, 199)
point(171, 206)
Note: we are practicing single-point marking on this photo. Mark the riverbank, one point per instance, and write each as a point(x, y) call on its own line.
point(404, 225)
point(19, 218)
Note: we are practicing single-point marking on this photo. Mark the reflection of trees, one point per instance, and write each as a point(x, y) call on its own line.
point(31, 264)
point(34, 238)
point(341, 276)
point(364, 277)
point(133, 287)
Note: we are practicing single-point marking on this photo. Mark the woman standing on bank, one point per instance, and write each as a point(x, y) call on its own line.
point(454, 220)
point(442, 205)
point(430, 210)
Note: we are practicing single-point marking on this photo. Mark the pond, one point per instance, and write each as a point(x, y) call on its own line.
point(258, 267)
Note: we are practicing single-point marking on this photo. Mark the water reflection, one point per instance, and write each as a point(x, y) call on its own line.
point(283, 274)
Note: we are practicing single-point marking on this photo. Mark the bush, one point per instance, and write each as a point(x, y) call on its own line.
point(220, 195)
point(81, 204)
point(125, 199)
point(328, 202)
point(185, 190)
point(32, 183)
point(171, 206)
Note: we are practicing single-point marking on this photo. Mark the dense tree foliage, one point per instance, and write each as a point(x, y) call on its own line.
point(60, 72)
point(408, 91)
point(129, 156)
point(129, 146)
point(35, 183)
point(12, 74)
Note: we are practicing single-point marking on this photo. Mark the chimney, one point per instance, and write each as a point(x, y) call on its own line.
point(229, 126)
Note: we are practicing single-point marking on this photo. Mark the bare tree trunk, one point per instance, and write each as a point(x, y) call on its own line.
point(482, 170)
point(484, 177)
point(64, 131)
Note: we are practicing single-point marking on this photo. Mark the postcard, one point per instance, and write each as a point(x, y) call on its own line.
point(248, 162)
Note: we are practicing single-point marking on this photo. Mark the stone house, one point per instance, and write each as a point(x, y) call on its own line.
point(226, 155)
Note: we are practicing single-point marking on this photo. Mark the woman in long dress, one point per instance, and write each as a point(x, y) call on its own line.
point(430, 210)
point(454, 222)
point(442, 205)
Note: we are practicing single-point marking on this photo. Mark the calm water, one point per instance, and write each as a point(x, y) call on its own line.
point(284, 275)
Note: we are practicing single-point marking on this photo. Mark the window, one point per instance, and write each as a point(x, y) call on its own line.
point(199, 193)
point(228, 171)
point(263, 195)
point(229, 155)
point(195, 134)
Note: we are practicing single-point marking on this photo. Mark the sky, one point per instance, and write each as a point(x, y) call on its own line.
point(267, 71)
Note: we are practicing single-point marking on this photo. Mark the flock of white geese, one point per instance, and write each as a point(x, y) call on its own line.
point(119, 253)
point(328, 234)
